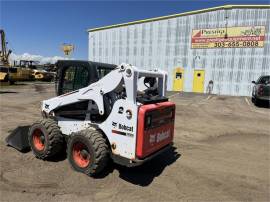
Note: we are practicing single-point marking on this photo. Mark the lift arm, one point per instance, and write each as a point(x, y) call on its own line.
point(124, 76)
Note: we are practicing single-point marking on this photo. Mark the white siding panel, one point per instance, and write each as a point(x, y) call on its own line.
point(166, 44)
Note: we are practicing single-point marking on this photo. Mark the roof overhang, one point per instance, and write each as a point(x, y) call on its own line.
point(225, 7)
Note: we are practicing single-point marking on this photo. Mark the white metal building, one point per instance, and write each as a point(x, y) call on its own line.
point(228, 45)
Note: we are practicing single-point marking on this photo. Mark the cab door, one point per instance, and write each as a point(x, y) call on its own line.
point(178, 81)
point(73, 75)
point(198, 81)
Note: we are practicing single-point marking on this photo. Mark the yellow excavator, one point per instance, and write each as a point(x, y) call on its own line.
point(10, 74)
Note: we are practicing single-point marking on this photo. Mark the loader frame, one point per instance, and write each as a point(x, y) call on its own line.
point(123, 118)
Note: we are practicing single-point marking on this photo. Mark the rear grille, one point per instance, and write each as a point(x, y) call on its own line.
point(158, 117)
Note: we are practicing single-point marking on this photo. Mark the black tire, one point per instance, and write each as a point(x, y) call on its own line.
point(45, 138)
point(87, 152)
point(257, 102)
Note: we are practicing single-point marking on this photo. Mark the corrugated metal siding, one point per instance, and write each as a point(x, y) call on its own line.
point(166, 44)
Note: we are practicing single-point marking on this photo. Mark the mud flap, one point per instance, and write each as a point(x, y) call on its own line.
point(18, 139)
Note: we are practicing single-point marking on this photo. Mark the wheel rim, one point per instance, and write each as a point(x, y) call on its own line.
point(38, 140)
point(81, 154)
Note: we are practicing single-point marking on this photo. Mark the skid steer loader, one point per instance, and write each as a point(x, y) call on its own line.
point(104, 111)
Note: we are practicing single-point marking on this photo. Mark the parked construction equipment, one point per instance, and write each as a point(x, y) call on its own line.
point(10, 74)
point(102, 112)
point(38, 71)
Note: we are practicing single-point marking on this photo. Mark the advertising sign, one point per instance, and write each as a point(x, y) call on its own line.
point(230, 37)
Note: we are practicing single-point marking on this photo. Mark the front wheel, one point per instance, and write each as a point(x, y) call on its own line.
point(45, 138)
point(88, 152)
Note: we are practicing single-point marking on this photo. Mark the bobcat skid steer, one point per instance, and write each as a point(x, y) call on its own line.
point(104, 111)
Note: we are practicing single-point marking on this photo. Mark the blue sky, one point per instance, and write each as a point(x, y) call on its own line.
point(40, 27)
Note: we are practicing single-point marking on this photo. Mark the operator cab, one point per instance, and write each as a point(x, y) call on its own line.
point(75, 74)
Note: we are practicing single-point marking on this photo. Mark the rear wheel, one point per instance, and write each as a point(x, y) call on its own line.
point(87, 152)
point(45, 138)
point(257, 102)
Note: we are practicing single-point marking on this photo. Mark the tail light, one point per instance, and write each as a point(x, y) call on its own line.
point(260, 90)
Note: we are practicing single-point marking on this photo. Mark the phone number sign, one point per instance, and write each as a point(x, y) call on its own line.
point(230, 37)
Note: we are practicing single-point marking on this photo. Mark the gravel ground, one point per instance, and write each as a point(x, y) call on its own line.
point(221, 153)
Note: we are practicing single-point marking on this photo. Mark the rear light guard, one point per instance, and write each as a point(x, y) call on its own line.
point(156, 118)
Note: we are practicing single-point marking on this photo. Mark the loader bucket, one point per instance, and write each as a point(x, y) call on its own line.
point(18, 139)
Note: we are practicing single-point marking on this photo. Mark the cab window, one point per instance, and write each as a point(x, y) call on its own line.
point(75, 77)
point(102, 71)
point(264, 80)
point(81, 78)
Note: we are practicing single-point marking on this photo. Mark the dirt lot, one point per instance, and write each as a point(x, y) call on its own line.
point(221, 154)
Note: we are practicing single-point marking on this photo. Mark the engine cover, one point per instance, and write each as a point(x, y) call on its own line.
point(155, 127)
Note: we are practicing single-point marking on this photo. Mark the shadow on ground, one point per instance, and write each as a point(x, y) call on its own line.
point(144, 175)
point(7, 92)
point(39, 88)
point(58, 157)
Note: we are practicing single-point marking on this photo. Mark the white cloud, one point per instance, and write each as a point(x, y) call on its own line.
point(40, 58)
